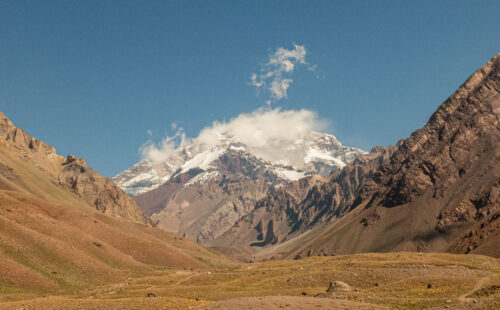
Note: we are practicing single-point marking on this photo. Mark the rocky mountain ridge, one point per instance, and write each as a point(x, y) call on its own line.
point(71, 173)
point(438, 191)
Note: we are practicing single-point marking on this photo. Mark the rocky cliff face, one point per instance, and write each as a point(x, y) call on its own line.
point(296, 207)
point(440, 189)
point(460, 133)
point(98, 191)
point(70, 173)
point(202, 204)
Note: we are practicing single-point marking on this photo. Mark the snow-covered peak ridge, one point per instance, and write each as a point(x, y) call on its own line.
point(315, 153)
point(203, 159)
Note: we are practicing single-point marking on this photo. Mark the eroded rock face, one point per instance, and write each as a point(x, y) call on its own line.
point(439, 190)
point(462, 131)
point(71, 173)
point(99, 191)
point(345, 188)
point(17, 138)
point(454, 158)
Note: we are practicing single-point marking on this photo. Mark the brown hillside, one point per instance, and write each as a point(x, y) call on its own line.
point(440, 190)
point(64, 227)
point(70, 173)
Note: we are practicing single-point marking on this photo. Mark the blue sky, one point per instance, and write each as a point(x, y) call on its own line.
point(92, 77)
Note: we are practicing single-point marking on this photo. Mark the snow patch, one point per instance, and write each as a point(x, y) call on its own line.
point(291, 175)
point(141, 178)
point(202, 160)
point(237, 148)
point(202, 177)
point(314, 153)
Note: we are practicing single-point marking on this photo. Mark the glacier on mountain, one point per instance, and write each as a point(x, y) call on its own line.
point(315, 153)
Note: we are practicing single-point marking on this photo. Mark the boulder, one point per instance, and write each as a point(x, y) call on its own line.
point(339, 286)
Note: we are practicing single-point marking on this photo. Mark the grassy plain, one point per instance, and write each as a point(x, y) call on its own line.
point(392, 280)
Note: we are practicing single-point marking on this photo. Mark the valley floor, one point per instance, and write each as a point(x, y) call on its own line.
point(391, 280)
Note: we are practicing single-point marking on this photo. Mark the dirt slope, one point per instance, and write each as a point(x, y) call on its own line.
point(70, 173)
point(64, 227)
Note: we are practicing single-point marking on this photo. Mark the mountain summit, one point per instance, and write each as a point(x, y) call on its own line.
point(315, 153)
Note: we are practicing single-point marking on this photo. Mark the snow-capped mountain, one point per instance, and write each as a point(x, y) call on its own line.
point(317, 153)
point(204, 187)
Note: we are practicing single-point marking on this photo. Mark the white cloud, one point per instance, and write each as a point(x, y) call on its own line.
point(266, 133)
point(163, 150)
point(312, 68)
point(275, 75)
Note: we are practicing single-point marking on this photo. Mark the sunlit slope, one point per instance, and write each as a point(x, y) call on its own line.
point(52, 239)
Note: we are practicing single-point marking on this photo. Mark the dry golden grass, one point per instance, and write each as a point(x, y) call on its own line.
point(393, 280)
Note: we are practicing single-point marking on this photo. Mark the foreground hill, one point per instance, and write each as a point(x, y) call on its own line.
point(64, 227)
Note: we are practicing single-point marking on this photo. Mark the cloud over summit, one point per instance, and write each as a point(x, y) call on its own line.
point(266, 133)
